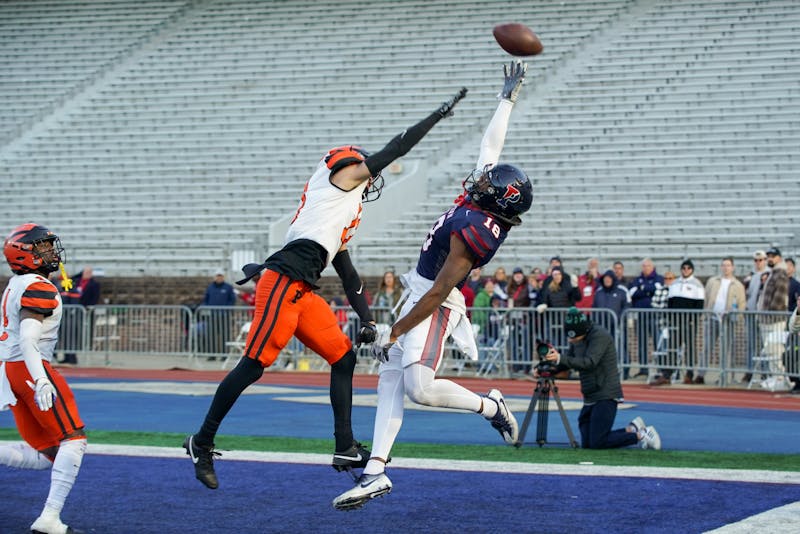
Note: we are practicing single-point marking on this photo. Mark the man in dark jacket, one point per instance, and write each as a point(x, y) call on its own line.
point(593, 353)
point(641, 291)
point(218, 296)
point(85, 291)
point(612, 296)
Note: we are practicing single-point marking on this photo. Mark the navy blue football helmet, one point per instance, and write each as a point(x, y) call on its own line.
point(503, 190)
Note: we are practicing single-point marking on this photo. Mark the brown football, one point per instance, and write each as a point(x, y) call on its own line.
point(517, 39)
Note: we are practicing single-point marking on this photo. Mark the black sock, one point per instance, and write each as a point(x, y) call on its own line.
point(245, 373)
point(342, 399)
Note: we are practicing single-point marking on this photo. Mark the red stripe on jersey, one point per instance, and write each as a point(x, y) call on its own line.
point(473, 241)
point(432, 351)
point(5, 304)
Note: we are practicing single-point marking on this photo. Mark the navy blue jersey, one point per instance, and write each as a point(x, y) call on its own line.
point(479, 231)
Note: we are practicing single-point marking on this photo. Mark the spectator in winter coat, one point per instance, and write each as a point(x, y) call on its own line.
point(612, 296)
point(559, 293)
point(588, 283)
point(641, 291)
point(480, 312)
point(774, 297)
point(517, 290)
point(724, 294)
point(687, 293)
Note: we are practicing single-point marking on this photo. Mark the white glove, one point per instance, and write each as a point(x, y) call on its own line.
point(44, 393)
point(541, 308)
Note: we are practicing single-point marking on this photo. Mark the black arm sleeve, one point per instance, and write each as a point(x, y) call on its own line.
point(352, 285)
point(401, 144)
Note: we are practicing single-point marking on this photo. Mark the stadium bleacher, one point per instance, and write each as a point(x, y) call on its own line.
point(158, 138)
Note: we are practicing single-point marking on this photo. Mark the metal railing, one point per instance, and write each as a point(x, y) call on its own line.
point(677, 344)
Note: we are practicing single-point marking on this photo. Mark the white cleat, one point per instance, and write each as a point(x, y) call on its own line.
point(50, 525)
point(651, 439)
point(638, 425)
point(504, 421)
point(367, 487)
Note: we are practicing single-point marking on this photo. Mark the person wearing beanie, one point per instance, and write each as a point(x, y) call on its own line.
point(592, 352)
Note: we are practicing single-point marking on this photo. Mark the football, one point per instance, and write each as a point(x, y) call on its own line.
point(517, 39)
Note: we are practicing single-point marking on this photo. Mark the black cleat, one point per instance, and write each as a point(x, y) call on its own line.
point(203, 459)
point(356, 456)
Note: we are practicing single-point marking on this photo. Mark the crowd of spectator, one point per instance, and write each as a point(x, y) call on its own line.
point(771, 286)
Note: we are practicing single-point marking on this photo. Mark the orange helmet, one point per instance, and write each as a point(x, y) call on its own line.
point(340, 157)
point(21, 248)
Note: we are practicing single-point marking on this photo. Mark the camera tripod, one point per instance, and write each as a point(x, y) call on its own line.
point(541, 396)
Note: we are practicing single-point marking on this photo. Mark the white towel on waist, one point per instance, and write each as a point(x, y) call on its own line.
point(7, 398)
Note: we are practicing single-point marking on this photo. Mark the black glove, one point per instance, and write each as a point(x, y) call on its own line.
point(446, 109)
point(514, 73)
point(367, 333)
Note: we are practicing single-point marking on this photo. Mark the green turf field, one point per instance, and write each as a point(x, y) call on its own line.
point(532, 454)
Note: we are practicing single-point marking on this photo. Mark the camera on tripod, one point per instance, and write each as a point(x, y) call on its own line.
point(545, 368)
point(545, 386)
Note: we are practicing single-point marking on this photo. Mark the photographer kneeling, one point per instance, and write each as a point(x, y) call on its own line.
point(593, 354)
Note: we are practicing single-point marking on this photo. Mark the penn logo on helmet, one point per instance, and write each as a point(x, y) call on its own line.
point(511, 196)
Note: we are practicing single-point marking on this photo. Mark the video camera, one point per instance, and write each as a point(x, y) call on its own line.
point(545, 368)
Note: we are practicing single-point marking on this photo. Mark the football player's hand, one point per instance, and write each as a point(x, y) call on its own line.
point(446, 109)
point(43, 393)
point(367, 333)
point(514, 74)
point(380, 351)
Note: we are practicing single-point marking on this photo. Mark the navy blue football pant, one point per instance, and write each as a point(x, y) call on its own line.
point(595, 422)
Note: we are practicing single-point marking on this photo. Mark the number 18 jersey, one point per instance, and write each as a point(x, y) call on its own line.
point(479, 230)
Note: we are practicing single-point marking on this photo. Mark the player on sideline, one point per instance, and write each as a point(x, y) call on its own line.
point(464, 238)
point(286, 304)
point(42, 403)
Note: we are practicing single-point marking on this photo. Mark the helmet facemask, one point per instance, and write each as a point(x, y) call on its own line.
point(374, 189)
point(50, 253)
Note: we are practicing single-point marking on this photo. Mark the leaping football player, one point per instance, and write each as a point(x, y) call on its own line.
point(43, 405)
point(286, 304)
point(467, 236)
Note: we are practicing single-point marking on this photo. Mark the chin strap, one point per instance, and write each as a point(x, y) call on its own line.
point(66, 281)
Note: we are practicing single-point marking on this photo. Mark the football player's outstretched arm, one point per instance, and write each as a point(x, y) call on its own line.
point(495, 135)
point(457, 265)
point(353, 175)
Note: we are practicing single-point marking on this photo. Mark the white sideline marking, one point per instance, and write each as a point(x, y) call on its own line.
point(781, 520)
point(726, 475)
point(183, 388)
point(300, 395)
